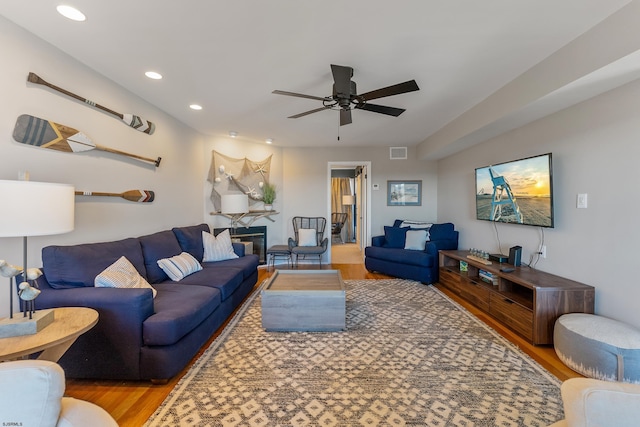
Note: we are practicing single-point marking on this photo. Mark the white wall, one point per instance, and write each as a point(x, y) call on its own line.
point(306, 183)
point(595, 150)
point(177, 182)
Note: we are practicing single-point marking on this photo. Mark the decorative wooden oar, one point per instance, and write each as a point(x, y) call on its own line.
point(131, 120)
point(140, 196)
point(46, 134)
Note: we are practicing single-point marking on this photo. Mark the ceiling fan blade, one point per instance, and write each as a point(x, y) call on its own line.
point(390, 111)
point(405, 87)
point(342, 79)
point(345, 117)
point(308, 112)
point(299, 95)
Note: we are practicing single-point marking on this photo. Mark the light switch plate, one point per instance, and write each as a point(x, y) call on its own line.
point(581, 202)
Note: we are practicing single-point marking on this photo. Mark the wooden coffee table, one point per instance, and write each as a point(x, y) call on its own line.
point(54, 340)
point(312, 300)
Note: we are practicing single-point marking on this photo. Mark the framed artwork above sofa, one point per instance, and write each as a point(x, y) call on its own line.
point(404, 193)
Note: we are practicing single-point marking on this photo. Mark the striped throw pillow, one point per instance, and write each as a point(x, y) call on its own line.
point(122, 274)
point(217, 248)
point(180, 266)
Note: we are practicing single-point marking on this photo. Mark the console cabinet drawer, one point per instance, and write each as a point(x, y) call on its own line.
point(468, 289)
point(511, 314)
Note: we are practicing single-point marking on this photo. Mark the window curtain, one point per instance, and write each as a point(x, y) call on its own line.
point(342, 187)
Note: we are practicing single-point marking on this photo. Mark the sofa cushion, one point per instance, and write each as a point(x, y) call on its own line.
point(217, 248)
point(401, 256)
point(226, 279)
point(190, 239)
point(122, 274)
point(416, 240)
point(162, 244)
point(178, 310)
point(248, 264)
point(394, 237)
point(78, 265)
point(441, 231)
point(180, 266)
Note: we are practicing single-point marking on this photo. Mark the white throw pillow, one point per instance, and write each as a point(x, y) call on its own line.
point(416, 224)
point(415, 240)
point(122, 274)
point(307, 237)
point(217, 248)
point(180, 266)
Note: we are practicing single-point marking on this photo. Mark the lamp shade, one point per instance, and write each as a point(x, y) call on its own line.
point(234, 203)
point(36, 208)
point(348, 200)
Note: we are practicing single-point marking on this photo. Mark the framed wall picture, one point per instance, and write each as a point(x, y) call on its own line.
point(404, 193)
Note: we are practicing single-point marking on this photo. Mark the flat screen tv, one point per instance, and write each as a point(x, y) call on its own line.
point(518, 192)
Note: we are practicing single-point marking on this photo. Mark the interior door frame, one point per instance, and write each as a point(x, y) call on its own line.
point(363, 204)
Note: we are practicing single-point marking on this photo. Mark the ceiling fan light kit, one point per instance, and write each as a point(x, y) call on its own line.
point(345, 96)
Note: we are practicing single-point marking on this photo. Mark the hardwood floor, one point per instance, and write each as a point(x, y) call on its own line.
point(131, 403)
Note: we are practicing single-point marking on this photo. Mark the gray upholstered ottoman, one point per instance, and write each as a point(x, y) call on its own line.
point(598, 347)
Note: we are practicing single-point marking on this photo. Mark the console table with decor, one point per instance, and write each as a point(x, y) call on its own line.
point(526, 300)
point(247, 218)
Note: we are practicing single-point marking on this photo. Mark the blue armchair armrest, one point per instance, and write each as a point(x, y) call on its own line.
point(377, 241)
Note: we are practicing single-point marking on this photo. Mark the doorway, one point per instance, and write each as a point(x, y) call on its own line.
point(348, 247)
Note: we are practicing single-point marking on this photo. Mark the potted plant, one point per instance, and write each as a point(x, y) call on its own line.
point(268, 195)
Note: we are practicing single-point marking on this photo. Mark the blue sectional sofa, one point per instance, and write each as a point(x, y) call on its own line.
point(387, 253)
point(139, 337)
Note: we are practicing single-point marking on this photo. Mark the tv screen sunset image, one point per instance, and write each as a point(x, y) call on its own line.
point(517, 192)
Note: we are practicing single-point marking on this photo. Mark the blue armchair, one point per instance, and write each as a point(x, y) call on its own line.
point(387, 253)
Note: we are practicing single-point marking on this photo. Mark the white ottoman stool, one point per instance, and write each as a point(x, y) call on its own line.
point(598, 347)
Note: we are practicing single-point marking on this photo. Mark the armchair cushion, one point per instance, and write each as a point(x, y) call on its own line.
point(395, 237)
point(416, 240)
point(307, 237)
point(31, 394)
point(589, 402)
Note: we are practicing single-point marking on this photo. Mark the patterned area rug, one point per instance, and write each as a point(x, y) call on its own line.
point(409, 356)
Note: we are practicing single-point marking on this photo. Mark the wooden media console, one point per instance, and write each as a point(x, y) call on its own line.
point(526, 300)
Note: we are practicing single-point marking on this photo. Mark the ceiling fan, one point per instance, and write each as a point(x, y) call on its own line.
point(345, 96)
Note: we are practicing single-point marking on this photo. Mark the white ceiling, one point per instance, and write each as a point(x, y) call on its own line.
point(229, 56)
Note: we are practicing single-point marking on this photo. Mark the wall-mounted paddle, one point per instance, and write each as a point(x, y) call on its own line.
point(140, 196)
point(131, 120)
point(47, 134)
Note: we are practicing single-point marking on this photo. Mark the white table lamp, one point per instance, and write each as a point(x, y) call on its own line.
point(33, 209)
point(234, 204)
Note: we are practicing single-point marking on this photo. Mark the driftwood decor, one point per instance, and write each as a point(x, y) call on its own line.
point(47, 134)
point(131, 120)
point(230, 175)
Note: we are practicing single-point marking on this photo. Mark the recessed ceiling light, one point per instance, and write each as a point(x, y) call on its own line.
point(269, 141)
point(195, 107)
point(153, 75)
point(233, 133)
point(71, 13)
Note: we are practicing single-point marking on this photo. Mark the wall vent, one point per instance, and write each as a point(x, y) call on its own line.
point(397, 153)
